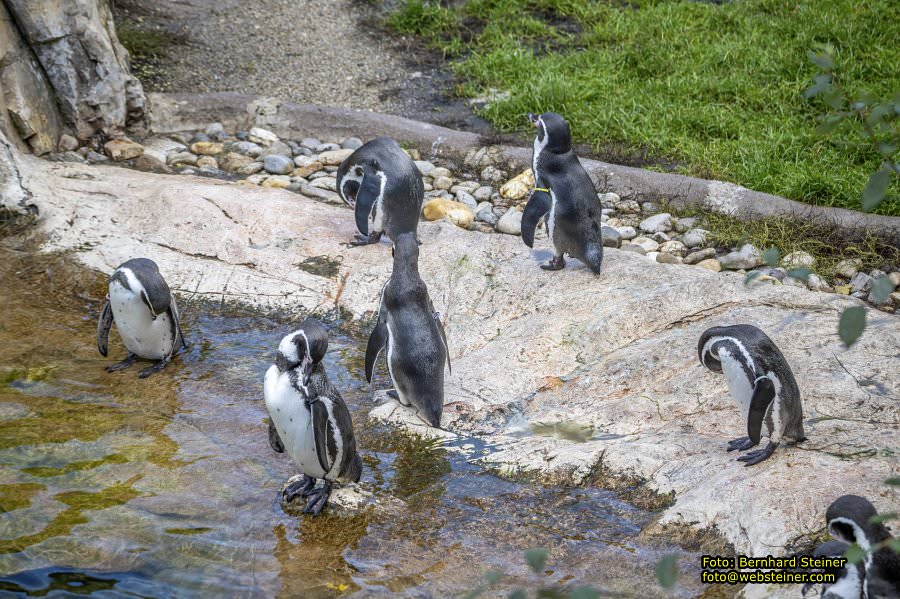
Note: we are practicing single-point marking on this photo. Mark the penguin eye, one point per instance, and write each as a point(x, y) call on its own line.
point(359, 171)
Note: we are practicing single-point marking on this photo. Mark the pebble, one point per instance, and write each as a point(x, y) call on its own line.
point(424, 167)
point(611, 237)
point(628, 207)
point(746, 258)
point(817, 283)
point(608, 200)
point(492, 174)
point(261, 136)
point(67, 143)
point(895, 278)
point(351, 143)
point(649, 208)
point(697, 256)
point(250, 169)
point(660, 237)
point(519, 186)
point(511, 222)
point(484, 193)
point(207, 148)
point(207, 161)
point(673, 247)
point(328, 147)
point(329, 183)
point(310, 142)
point(215, 173)
point(149, 164)
point(861, 282)
point(277, 182)
point(439, 171)
point(710, 264)
point(278, 165)
point(308, 169)
point(334, 157)
point(798, 259)
point(658, 223)
point(199, 136)
point(683, 225)
point(457, 213)
point(695, 237)
point(232, 161)
point(627, 233)
point(279, 148)
point(248, 148)
point(647, 244)
point(442, 183)
point(216, 132)
point(179, 158)
point(122, 149)
point(848, 268)
point(630, 247)
point(467, 198)
point(665, 258)
point(484, 212)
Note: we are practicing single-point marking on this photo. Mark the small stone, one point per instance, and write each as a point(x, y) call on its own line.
point(250, 169)
point(215, 132)
point(207, 148)
point(697, 256)
point(746, 258)
point(664, 258)
point(673, 247)
point(261, 136)
point(848, 268)
point(628, 207)
point(122, 149)
point(492, 174)
point(481, 227)
point(67, 143)
point(484, 212)
point(413, 153)
point(764, 279)
point(710, 264)
point(631, 247)
point(329, 183)
point(334, 157)
point(185, 171)
point(511, 222)
point(351, 143)
point(93, 156)
point(519, 186)
point(484, 193)
point(277, 147)
point(232, 161)
point(310, 142)
point(895, 278)
point(611, 237)
point(151, 164)
point(241, 135)
point(646, 243)
point(278, 165)
point(213, 172)
point(65, 157)
point(682, 225)
point(467, 198)
point(327, 147)
point(248, 148)
point(307, 169)
point(608, 200)
point(258, 179)
point(439, 171)
point(443, 183)
point(817, 283)
point(861, 282)
point(695, 237)
point(424, 167)
point(467, 186)
point(199, 136)
point(842, 289)
point(627, 233)
point(459, 214)
point(798, 259)
point(277, 182)
point(660, 237)
point(657, 223)
point(181, 158)
point(777, 273)
point(207, 161)
point(649, 208)
point(652, 255)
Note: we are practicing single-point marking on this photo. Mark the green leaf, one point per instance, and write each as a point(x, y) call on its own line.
point(800, 273)
point(894, 481)
point(667, 570)
point(751, 276)
point(834, 98)
point(537, 559)
point(881, 289)
point(851, 325)
point(772, 257)
point(584, 593)
point(876, 188)
point(879, 518)
point(855, 554)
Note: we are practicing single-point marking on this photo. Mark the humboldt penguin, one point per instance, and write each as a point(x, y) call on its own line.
point(411, 330)
point(760, 381)
point(852, 519)
point(848, 581)
point(563, 189)
point(308, 417)
point(146, 316)
point(384, 187)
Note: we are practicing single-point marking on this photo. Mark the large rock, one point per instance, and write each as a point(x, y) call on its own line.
point(623, 364)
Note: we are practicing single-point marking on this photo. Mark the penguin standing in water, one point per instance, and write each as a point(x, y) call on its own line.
point(411, 330)
point(563, 188)
point(383, 186)
point(760, 381)
point(852, 519)
point(308, 417)
point(144, 310)
point(848, 581)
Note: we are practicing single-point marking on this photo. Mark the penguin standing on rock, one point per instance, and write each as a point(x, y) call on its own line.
point(565, 191)
point(848, 581)
point(384, 187)
point(853, 519)
point(308, 417)
point(760, 381)
point(411, 330)
point(144, 310)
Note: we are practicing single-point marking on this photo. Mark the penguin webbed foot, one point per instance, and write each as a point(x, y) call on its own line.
point(360, 240)
point(318, 498)
point(127, 362)
point(740, 444)
point(556, 263)
point(159, 366)
point(760, 455)
point(300, 488)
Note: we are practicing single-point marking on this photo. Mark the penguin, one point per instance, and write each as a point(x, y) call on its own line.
point(308, 418)
point(384, 187)
point(146, 316)
point(848, 581)
point(760, 381)
point(565, 191)
point(411, 330)
point(853, 519)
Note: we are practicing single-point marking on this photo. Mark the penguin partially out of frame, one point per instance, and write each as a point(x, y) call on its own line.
point(848, 581)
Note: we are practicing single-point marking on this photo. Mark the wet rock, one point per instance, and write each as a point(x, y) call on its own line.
point(278, 165)
point(511, 222)
point(699, 255)
point(519, 186)
point(861, 282)
point(710, 264)
point(847, 268)
point(484, 212)
point(611, 237)
point(351, 143)
point(647, 244)
point(261, 136)
point(346, 500)
point(67, 143)
point(492, 174)
point(683, 225)
point(658, 223)
point(746, 258)
point(334, 157)
point(695, 237)
point(458, 214)
point(627, 233)
point(122, 149)
point(798, 259)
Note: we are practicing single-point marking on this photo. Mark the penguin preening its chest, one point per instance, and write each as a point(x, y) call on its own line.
point(411, 330)
point(565, 193)
point(308, 417)
point(760, 381)
point(383, 185)
point(145, 313)
point(848, 581)
point(853, 519)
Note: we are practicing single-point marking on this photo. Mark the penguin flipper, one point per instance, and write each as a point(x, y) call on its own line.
point(103, 326)
point(763, 396)
point(538, 205)
point(322, 431)
point(177, 335)
point(274, 440)
point(377, 341)
point(440, 326)
point(369, 190)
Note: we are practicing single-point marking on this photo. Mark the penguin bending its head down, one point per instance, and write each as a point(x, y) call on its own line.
point(848, 581)
point(853, 519)
point(144, 310)
point(411, 330)
point(383, 186)
point(760, 381)
point(308, 417)
point(564, 189)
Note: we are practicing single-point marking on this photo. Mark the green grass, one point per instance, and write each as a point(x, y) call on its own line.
point(713, 90)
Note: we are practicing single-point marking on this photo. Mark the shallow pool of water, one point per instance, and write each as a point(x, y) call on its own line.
point(111, 485)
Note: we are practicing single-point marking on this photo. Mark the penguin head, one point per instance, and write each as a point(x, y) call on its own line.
point(405, 249)
point(350, 183)
point(305, 348)
point(849, 520)
point(552, 132)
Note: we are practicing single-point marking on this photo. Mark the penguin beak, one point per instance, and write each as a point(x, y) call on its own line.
point(533, 118)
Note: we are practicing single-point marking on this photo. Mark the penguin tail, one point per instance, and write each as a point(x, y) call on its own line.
point(354, 469)
point(594, 257)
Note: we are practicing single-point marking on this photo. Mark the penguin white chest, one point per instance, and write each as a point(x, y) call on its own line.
point(143, 335)
point(293, 421)
point(740, 387)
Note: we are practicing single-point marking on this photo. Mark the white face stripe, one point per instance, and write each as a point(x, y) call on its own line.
point(288, 348)
point(538, 148)
point(707, 347)
point(860, 539)
point(350, 175)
